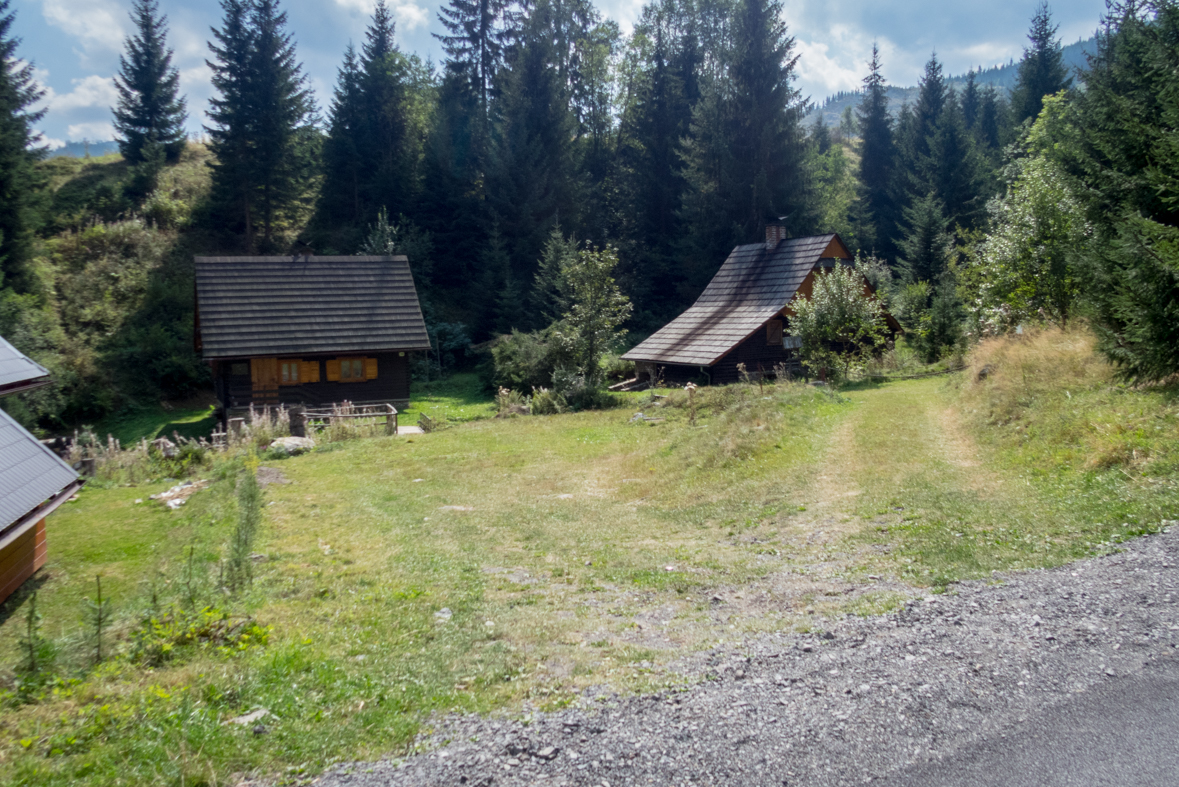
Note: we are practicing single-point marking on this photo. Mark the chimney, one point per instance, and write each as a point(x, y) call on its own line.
point(775, 234)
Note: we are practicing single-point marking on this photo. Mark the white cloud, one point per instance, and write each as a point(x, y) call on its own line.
point(49, 142)
point(839, 61)
point(408, 14)
point(96, 132)
point(97, 24)
point(92, 91)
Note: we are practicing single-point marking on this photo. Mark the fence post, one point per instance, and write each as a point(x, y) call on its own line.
point(391, 420)
point(298, 416)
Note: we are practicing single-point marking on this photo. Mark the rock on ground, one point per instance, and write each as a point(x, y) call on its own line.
point(292, 445)
point(866, 698)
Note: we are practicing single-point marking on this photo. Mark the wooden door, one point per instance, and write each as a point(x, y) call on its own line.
point(264, 376)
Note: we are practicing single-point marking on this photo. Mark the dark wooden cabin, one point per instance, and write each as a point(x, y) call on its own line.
point(743, 315)
point(33, 480)
point(307, 330)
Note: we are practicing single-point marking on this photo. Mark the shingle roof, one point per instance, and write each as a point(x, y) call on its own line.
point(753, 285)
point(30, 473)
point(252, 306)
point(16, 370)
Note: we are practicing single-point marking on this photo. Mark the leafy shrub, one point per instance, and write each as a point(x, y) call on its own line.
point(161, 638)
point(547, 402)
point(165, 211)
point(615, 369)
point(523, 361)
point(509, 403)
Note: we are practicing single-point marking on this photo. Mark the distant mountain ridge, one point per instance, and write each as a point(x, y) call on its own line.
point(1001, 76)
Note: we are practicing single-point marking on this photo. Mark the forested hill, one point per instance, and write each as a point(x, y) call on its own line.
point(1002, 77)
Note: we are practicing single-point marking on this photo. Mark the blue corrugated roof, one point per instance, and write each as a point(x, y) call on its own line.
point(15, 367)
point(30, 473)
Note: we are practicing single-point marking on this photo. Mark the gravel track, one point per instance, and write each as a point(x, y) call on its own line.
point(866, 698)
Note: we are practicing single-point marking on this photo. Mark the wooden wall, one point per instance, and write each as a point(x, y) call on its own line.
point(21, 559)
point(234, 387)
point(756, 352)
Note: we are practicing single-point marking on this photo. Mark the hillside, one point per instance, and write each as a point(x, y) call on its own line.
point(1000, 76)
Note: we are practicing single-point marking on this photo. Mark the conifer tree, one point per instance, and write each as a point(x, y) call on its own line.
point(746, 151)
point(532, 177)
point(150, 112)
point(18, 178)
point(344, 165)
point(1041, 71)
point(231, 113)
point(261, 120)
point(475, 44)
point(971, 100)
point(925, 249)
point(877, 154)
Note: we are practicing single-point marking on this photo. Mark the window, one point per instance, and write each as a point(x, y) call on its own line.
point(774, 332)
point(290, 372)
point(239, 369)
point(351, 370)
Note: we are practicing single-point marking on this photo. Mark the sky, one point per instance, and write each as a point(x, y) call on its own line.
point(74, 45)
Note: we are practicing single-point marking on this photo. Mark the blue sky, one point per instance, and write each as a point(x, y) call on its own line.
point(75, 44)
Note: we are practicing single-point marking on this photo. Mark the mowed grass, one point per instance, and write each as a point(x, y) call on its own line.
point(492, 563)
point(510, 563)
point(1040, 460)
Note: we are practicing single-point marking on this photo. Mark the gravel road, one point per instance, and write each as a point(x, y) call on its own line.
point(948, 679)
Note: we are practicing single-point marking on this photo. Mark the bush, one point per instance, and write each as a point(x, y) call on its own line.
point(523, 361)
point(547, 402)
point(161, 638)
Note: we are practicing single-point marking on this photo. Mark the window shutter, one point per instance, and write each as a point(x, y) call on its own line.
point(774, 332)
point(308, 371)
point(333, 370)
point(370, 368)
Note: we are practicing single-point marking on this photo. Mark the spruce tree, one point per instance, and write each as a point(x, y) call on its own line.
point(285, 112)
point(344, 165)
point(925, 249)
point(767, 109)
point(474, 46)
point(262, 119)
point(231, 114)
point(877, 154)
point(1120, 148)
point(532, 176)
point(18, 154)
point(1041, 71)
point(971, 100)
point(150, 112)
point(745, 154)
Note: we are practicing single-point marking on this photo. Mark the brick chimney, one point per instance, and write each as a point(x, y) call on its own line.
point(775, 234)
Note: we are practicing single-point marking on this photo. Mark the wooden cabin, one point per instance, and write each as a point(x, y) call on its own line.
point(33, 480)
point(743, 315)
point(312, 331)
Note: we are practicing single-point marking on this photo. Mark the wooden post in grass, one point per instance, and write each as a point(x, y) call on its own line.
point(391, 420)
point(298, 416)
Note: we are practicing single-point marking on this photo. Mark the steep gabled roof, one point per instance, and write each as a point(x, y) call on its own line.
point(255, 306)
point(18, 372)
point(752, 286)
point(30, 475)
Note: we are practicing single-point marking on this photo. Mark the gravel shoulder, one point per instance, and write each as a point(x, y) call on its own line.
point(867, 699)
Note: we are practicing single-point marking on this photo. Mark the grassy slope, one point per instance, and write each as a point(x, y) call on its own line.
point(583, 549)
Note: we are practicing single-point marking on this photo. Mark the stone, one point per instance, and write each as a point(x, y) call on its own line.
point(443, 615)
point(248, 718)
point(548, 753)
point(292, 446)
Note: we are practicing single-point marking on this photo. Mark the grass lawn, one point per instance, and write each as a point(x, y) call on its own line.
point(509, 561)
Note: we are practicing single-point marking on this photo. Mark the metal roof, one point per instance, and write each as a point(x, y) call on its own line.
point(752, 286)
point(16, 368)
point(30, 473)
point(254, 306)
